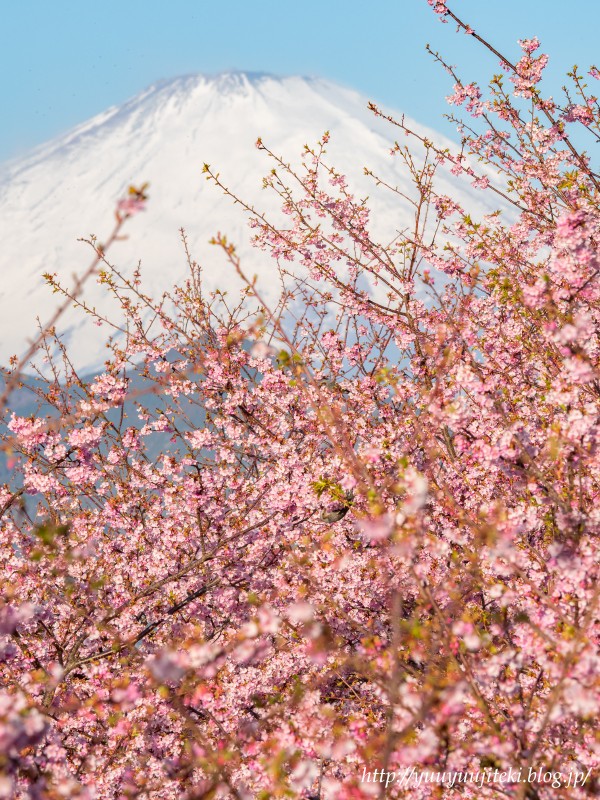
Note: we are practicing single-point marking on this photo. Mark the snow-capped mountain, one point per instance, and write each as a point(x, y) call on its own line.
point(68, 188)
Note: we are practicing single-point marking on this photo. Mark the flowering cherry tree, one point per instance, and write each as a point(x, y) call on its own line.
point(278, 552)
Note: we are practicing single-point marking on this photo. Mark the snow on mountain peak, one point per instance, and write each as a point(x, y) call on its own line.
point(67, 189)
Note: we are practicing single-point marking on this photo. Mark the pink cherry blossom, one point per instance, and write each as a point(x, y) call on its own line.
point(230, 574)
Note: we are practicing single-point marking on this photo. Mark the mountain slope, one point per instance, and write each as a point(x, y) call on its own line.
point(68, 188)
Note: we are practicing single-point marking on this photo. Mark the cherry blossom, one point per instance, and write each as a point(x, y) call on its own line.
point(235, 568)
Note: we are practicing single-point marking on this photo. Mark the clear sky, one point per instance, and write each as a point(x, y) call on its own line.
point(62, 61)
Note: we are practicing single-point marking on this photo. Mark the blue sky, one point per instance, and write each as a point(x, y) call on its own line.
point(66, 60)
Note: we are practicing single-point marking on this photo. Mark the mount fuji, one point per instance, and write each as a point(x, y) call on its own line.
point(68, 188)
